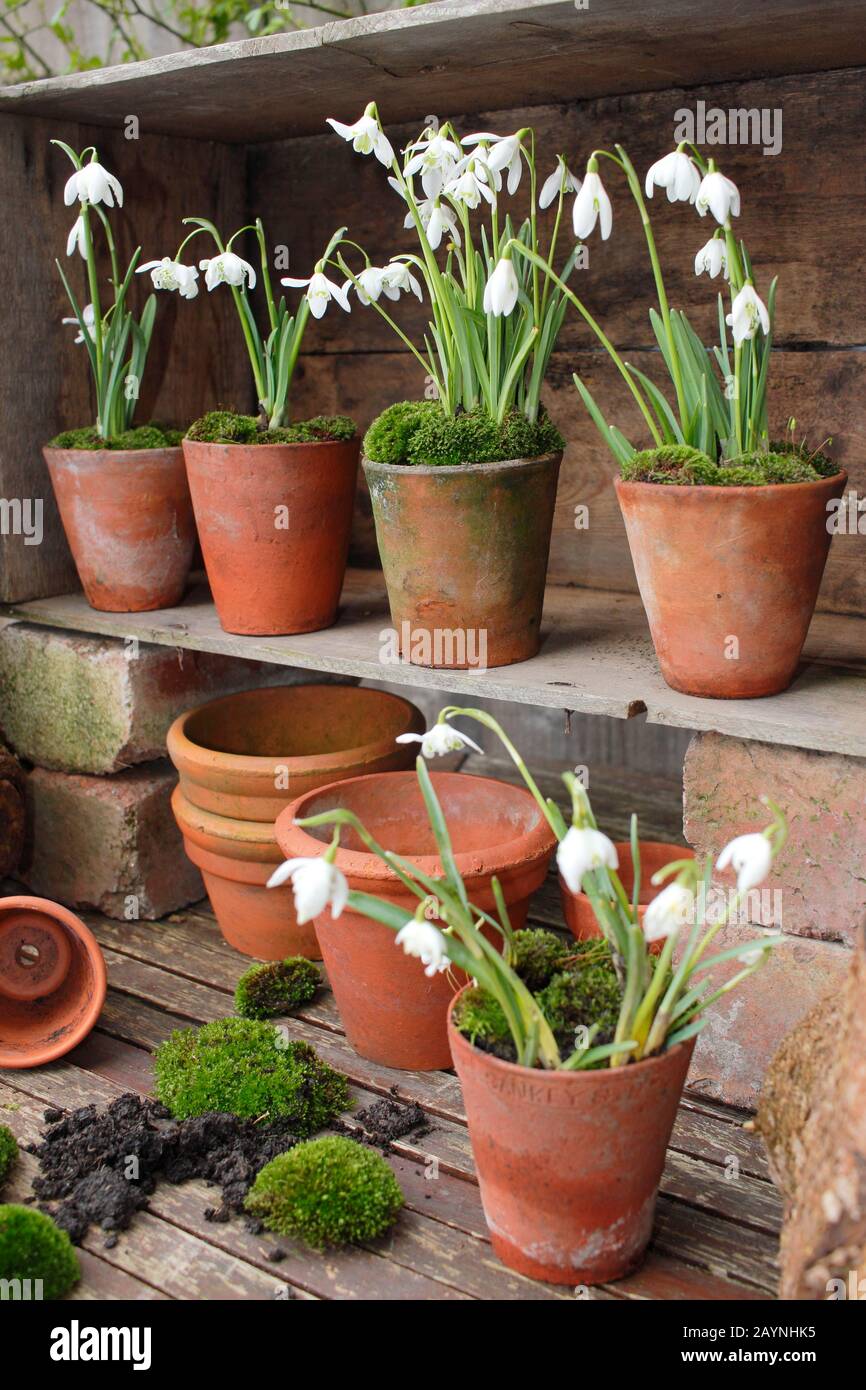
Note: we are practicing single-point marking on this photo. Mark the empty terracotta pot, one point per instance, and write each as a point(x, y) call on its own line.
point(274, 523)
point(654, 854)
point(128, 520)
point(247, 756)
point(569, 1162)
point(52, 981)
point(391, 1011)
point(729, 578)
point(464, 551)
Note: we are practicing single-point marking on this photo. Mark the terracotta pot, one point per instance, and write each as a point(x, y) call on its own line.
point(274, 523)
point(718, 565)
point(569, 1162)
point(464, 551)
point(236, 859)
point(654, 854)
point(247, 756)
point(128, 520)
point(391, 1011)
point(52, 981)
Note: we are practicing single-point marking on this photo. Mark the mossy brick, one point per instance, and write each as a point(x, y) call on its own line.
point(109, 843)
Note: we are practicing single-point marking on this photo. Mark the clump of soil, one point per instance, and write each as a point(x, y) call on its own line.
point(387, 1120)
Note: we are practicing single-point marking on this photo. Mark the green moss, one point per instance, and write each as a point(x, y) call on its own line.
point(8, 1152)
point(679, 464)
point(480, 1018)
point(772, 467)
point(245, 1067)
point(329, 1191)
point(421, 433)
point(673, 463)
point(825, 467)
point(33, 1247)
point(142, 437)
point(264, 991)
point(582, 997)
point(227, 427)
point(538, 955)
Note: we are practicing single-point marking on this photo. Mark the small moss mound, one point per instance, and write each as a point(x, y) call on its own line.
point(245, 1067)
point(673, 463)
point(329, 1191)
point(538, 955)
point(825, 467)
point(8, 1152)
point(142, 437)
point(33, 1247)
point(264, 991)
point(681, 465)
point(421, 433)
point(226, 427)
point(479, 1017)
point(581, 998)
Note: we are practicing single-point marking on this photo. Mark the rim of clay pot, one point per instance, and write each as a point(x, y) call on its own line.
point(300, 444)
point(761, 490)
point(125, 456)
point(518, 852)
point(238, 839)
point(459, 469)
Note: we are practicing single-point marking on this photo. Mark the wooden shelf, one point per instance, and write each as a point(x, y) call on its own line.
point(468, 55)
point(596, 658)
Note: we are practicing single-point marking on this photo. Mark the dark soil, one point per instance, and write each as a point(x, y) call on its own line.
point(389, 1119)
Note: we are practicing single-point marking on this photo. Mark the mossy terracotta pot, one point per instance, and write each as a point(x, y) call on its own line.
point(247, 756)
point(464, 551)
point(729, 578)
point(391, 1011)
point(274, 523)
point(52, 981)
point(569, 1162)
point(128, 519)
point(654, 854)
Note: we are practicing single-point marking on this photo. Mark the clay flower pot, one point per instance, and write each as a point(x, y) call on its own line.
point(274, 523)
point(654, 854)
point(391, 1011)
point(52, 981)
point(128, 520)
point(569, 1162)
point(464, 551)
point(729, 578)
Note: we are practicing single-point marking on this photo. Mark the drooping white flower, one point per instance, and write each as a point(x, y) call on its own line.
point(503, 154)
point(89, 324)
point(320, 291)
point(426, 943)
point(75, 240)
point(669, 910)
point(590, 206)
point(366, 136)
point(227, 269)
point(436, 219)
point(434, 157)
point(678, 174)
point(93, 184)
point(502, 289)
point(398, 276)
point(315, 884)
point(750, 856)
point(581, 850)
point(718, 195)
point(748, 314)
point(562, 180)
point(471, 185)
point(440, 739)
point(712, 258)
point(172, 275)
point(370, 285)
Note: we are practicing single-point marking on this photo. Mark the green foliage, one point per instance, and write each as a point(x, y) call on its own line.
point(420, 432)
point(673, 463)
point(264, 991)
point(537, 955)
point(245, 1067)
point(8, 1152)
point(480, 1018)
point(33, 1247)
point(329, 1191)
point(825, 467)
point(227, 427)
point(141, 437)
point(390, 435)
point(681, 465)
point(587, 994)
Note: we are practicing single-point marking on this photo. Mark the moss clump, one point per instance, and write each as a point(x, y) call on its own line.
point(226, 427)
point(421, 433)
point(679, 464)
point(33, 1247)
point(673, 463)
point(479, 1017)
point(769, 468)
point(580, 998)
point(328, 1191)
point(8, 1152)
point(823, 466)
point(264, 991)
point(245, 1067)
point(142, 437)
point(538, 955)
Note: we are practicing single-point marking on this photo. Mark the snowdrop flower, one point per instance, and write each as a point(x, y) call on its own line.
point(315, 884)
point(93, 184)
point(678, 174)
point(369, 285)
point(426, 942)
point(590, 206)
point(436, 219)
point(720, 196)
point(89, 322)
point(750, 856)
point(366, 136)
point(562, 180)
point(712, 258)
point(748, 314)
point(501, 290)
point(471, 186)
point(434, 158)
point(440, 739)
point(670, 910)
point(752, 957)
point(227, 269)
point(398, 276)
point(320, 291)
point(172, 275)
point(504, 153)
point(75, 240)
point(581, 850)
